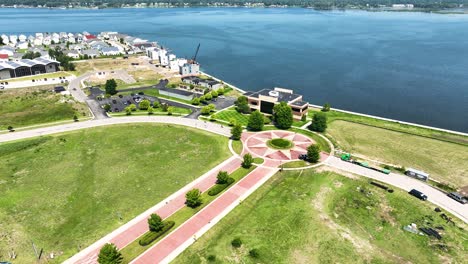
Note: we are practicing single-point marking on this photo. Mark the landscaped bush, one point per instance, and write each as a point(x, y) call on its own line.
point(254, 253)
point(217, 188)
point(211, 258)
point(152, 236)
point(236, 242)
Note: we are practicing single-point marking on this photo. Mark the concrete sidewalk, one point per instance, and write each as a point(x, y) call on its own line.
point(176, 242)
point(129, 232)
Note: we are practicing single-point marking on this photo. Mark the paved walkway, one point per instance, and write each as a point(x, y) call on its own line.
point(208, 126)
point(406, 183)
point(173, 244)
point(127, 233)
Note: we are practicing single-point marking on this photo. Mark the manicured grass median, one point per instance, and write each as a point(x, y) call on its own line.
point(309, 217)
point(324, 146)
point(65, 192)
point(237, 146)
point(134, 249)
point(231, 114)
point(443, 160)
point(280, 143)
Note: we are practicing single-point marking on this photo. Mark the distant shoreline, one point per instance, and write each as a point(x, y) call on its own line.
point(460, 11)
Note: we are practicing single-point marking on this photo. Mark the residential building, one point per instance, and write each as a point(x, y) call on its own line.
point(3, 57)
point(24, 67)
point(7, 50)
point(110, 51)
point(73, 54)
point(22, 45)
point(264, 101)
point(189, 69)
point(92, 53)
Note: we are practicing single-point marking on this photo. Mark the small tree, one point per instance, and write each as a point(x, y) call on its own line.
point(202, 99)
point(111, 87)
point(304, 118)
point(313, 153)
point(254, 253)
point(192, 86)
point(220, 91)
point(208, 96)
point(128, 110)
point(242, 105)
point(133, 107)
point(319, 122)
point(10, 128)
point(75, 118)
point(107, 107)
point(282, 114)
point(236, 132)
point(247, 162)
point(222, 177)
point(150, 110)
point(196, 101)
point(164, 107)
point(326, 107)
point(144, 104)
point(255, 121)
point(155, 223)
point(193, 198)
point(212, 107)
point(109, 254)
point(206, 110)
point(214, 94)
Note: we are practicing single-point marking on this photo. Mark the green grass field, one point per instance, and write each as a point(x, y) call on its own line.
point(443, 160)
point(237, 146)
point(310, 217)
point(32, 106)
point(64, 192)
point(231, 114)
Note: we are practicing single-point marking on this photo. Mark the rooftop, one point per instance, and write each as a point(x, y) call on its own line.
point(282, 97)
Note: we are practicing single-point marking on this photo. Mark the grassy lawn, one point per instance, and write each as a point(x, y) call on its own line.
point(310, 217)
point(231, 114)
point(134, 249)
point(334, 115)
point(158, 111)
point(64, 192)
point(41, 76)
point(237, 146)
point(37, 105)
point(443, 160)
point(296, 164)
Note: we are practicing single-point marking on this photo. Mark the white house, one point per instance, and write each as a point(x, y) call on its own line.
point(22, 38)
point(39, 35)
point(47, 41)
point(73, 54)
point(37, 42)
point(92, 53)
point(110, 51)
point(5, 39)
point(13, 39)
point(7, 50)
point(189, 69)
point(22, 45)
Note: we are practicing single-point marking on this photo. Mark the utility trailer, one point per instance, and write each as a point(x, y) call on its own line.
point(347, 157)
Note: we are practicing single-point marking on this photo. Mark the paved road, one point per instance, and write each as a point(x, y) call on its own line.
point(208, 126)
point(406, 183)
point(75, 90)
point(174, 243)
point(126, 234)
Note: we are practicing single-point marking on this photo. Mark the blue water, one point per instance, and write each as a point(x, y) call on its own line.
point(407, 66)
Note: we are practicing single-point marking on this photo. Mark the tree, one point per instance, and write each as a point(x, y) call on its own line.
point(75, 118)
point(236, 242)
point(206, 110)
point(193, 198)
point(196, 101)
point(10, 128)
point(144, 104)
point(107, 107)
point(220, 91)
point(109, 254)
point(111, 87)
point(31, 55)
point(214, 94)
point(132, 107)
point(242, 105)
point(212, 107)
point(164, 107)
point(150, 110)
point(248, 160)
point(326, 107)
point(236, 132)
point(208, 97)
point(313, 153)
point(255, 121)
point(222, 177)
point(128, 110)
point(192, 86)
point(282, 114)
point(155, 223)
point(319, 122)
point(202, 99)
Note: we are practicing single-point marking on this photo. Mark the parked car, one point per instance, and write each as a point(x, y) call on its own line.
point(418, 194)
point(303, 156)
point(2, 87)
point(458, 197)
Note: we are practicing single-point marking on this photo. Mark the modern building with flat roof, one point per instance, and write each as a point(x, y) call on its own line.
point(264, 101)
point(25, 67)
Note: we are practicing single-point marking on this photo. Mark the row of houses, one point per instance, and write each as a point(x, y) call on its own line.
point(168, 60)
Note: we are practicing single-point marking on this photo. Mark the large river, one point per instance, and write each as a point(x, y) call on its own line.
point(407, 66)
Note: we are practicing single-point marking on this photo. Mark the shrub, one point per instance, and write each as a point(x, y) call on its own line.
point(109, 254)
point(254, 253)
point(155, 223)
point(326, 107)
point(214, 94)
point(144, 104)
point(236, 242)
point(217, 188)
point(236, 132)
point(206, 110)
point(149, 237)
point(150, 110)
point(248, 160)
point(195, 101)
point(266, 120)
point(313, 153)
point(220, 91)
point(304, 118)
point(107, 107)
point(208, 96)
point(211, 258)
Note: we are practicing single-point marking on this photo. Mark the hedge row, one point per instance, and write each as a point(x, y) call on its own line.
point(220, 187)
point(152, 236)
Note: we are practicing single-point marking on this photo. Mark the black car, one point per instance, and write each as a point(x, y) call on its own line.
point(418, 194)
point(457, 197)
point(303, 156)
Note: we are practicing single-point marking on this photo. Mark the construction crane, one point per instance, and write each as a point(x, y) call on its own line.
point(194, 59)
